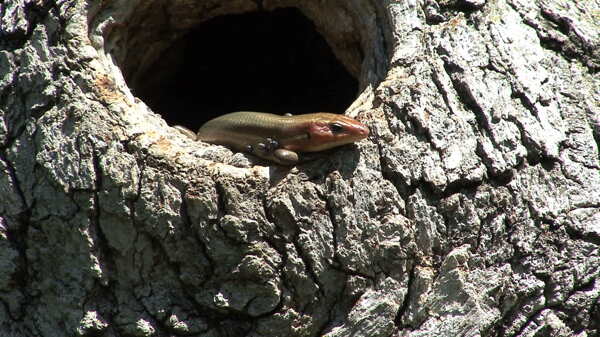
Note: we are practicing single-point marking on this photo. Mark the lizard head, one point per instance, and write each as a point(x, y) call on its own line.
point(328, 130)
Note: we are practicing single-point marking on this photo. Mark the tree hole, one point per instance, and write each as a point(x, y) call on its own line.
point(271, 61)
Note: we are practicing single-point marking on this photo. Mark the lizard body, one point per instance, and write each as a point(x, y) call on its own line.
point(279, 138)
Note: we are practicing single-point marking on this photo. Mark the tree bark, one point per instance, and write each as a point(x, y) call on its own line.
point(473, 209)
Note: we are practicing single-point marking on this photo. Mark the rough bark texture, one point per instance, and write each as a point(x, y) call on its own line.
point(472, 210)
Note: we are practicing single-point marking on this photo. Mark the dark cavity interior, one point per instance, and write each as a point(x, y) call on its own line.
point(269, 61)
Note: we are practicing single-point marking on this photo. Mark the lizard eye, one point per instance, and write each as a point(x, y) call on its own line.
point(336, 128)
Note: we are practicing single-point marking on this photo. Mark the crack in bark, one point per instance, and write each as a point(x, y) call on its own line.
point(398, 321)
point(12, 174)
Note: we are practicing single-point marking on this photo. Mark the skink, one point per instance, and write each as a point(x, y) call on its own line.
point(279, 138)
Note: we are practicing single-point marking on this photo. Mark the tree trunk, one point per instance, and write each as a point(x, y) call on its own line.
point(473, 209)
